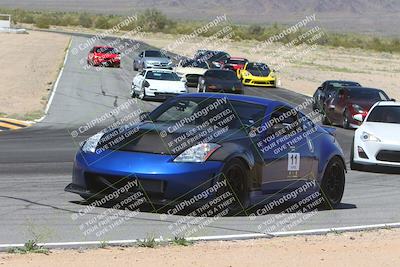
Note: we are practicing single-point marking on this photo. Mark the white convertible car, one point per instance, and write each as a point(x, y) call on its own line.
point(191, 70)
point(376, 141)
point(157, 83)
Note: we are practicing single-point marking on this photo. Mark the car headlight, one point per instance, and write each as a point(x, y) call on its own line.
point(197, 153)
point(358, 108)
point(369, 137)
point(246, 73)
point(272, 74)
point(91, 143)
point(169, 63)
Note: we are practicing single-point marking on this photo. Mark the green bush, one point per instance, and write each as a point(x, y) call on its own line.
point(43, 22)
point(153, 20)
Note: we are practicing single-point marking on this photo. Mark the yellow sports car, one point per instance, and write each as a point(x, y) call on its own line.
point(257, 74)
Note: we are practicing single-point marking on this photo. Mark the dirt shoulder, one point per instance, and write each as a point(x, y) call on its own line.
point(307, 71)
point(376, 248)
point(31, 63)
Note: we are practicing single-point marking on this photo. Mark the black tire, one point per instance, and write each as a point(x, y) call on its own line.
point(236, 173)
point(325, 119)
point(133, 93)
point(332, 185)
point(353, 165)
point(142, 94)
point(346, 123)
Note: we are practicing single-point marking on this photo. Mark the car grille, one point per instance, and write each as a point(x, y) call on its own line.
point(388, 155)
point(165, 95)
point(106, 184)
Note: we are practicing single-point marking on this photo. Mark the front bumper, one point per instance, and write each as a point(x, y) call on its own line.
point(259, 81)
point(158, 176)
point(158, 66)
point(378, 153)
point(107, 61)
point(162, 94)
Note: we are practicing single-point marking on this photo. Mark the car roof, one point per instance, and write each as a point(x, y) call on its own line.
point(243, 98)
point(388, 103)
point(238, 58)
point(340, 81)
point(361, 88)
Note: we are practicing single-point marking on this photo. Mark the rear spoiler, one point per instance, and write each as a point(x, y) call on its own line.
point(329, 130)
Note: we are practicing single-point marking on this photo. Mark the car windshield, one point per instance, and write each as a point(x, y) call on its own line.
point(343, 84)
point(154, 54)
point(197, 111)
point(162, 75)
point(236, 61)
point(385, 114)
point(194, 64)
point(106, 50)
point(367, 94)
point(217, 56)
point(221, 74)
point(259, 69)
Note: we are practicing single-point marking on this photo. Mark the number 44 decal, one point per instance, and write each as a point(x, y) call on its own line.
point(293, 161)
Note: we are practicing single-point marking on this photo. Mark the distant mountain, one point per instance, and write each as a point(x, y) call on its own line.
point(366, 16)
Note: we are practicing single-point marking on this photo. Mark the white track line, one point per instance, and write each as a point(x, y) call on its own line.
point(219, 237)
point(56, 84)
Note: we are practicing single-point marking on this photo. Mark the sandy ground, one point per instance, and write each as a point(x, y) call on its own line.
point(301, 69)
point(30, 65)
point(377, 248)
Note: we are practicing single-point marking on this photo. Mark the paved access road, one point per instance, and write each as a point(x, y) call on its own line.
point(36, 164)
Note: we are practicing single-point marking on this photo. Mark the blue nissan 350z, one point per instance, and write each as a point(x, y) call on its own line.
point(190, 143)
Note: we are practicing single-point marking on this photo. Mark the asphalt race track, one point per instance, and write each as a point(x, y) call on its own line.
point(36, 164)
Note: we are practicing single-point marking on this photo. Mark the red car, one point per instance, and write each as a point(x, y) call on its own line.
point(234, 63)
point(341, 108)
point(104, 56)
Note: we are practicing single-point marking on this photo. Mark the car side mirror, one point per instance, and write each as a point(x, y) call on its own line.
point(358, 117)
point(183, 79)
point(144, 116)
point(393, 99)
point(331, 107)
point(319, 88)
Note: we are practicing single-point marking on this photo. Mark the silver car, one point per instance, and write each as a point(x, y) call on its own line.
point(152, 59)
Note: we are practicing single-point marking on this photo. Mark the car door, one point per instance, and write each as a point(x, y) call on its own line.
point(288, 154)
point(336, 106)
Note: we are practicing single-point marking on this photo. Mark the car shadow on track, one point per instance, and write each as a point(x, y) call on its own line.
point(252, 211)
